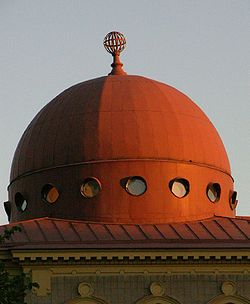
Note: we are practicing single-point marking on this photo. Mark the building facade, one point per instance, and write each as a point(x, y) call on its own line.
point(123, 191)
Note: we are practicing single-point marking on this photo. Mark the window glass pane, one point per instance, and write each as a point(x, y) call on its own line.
point(50, 193)
point(20, 201)
point(136, 185)
point(213, 192)
point(90, 187)
point(179, 187)
point(233, 200)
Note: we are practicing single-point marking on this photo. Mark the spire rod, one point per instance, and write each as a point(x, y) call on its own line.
point(114, 43)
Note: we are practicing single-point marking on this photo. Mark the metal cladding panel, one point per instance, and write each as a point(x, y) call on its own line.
point(50, 230)
point(200, 231)
point(33, 231)
point(228, 226)
point(184, 231)
point(216, 232)
point(75, 126)
point(244, 226)
point(134, 232)
point(168, 232)
point(151, 232)
point(84, 232)
point(67, 231)
point(112, 128)
point(101, 232)
point(118, 232)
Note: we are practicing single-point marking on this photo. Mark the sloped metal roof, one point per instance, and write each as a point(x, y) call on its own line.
point(46, 233)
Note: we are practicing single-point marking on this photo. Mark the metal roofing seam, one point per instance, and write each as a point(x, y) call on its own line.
point(53, 233)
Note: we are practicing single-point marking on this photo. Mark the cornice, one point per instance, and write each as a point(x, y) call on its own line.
point(126, 256)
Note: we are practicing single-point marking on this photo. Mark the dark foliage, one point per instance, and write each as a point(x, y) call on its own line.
point(13, 288)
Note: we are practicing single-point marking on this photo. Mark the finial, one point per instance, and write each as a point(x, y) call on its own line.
point(114, 43)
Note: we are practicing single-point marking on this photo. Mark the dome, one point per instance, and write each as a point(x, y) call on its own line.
point(147, 150)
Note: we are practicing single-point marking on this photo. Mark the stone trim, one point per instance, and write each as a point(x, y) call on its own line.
point(229, 290)
point(157, 300)
point(132, 255)
point(86, 300)
point(223, 299)
point(86, 291)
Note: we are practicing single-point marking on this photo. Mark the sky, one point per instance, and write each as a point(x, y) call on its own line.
point(200, 47)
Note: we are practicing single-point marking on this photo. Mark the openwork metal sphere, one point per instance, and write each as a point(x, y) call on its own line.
point(114, 43)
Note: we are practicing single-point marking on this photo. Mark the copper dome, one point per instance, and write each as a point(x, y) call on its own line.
point(112, 128)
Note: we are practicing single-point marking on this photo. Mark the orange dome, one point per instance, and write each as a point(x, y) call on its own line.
point(112, 128)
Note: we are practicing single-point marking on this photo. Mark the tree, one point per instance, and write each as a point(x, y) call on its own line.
point(13, 288)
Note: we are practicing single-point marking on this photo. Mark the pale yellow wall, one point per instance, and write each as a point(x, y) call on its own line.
point(127, 277)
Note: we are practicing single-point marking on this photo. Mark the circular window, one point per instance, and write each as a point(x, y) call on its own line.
point(136, 185)
point(90, 187)
point(50, 193)
point(233, 200)
point(179, 187)
point(21, 202)
point(213, 192)
point(7, 207)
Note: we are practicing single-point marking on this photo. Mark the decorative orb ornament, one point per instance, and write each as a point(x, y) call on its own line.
point(85, 289)
point(228, 288)
point(114, 43)
point(156, 289)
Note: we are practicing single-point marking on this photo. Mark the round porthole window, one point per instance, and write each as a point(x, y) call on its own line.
point(7, 207)
point(213, 192)
point(136, 185)
point(179, 187)
point(20, 201)
point(233, 200)
point(50, 193)
point(90, 187)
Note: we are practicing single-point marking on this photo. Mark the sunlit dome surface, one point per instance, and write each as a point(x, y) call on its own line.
point(130, 136)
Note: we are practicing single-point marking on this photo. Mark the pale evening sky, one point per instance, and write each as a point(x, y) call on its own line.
point(201, 47)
